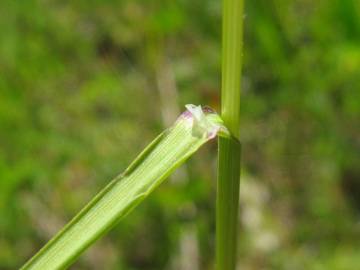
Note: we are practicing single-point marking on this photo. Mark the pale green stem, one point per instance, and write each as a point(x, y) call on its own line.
point(229, 148)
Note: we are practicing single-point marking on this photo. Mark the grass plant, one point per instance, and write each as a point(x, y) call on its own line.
point(168, 151)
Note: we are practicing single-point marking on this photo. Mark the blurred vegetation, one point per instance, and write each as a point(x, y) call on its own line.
point(85, 85)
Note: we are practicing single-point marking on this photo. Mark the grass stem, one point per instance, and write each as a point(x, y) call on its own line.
point(229, 148)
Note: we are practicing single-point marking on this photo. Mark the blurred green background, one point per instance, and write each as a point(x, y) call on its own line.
point(85, 85)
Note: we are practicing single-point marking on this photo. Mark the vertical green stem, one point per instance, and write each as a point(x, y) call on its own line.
point(229, 149)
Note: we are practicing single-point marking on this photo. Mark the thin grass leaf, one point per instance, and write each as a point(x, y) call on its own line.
point(168, 151)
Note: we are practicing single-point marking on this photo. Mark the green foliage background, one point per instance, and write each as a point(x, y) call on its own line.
point(85, 85)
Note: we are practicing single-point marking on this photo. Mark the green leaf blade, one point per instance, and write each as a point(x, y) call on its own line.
point(167, 152)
